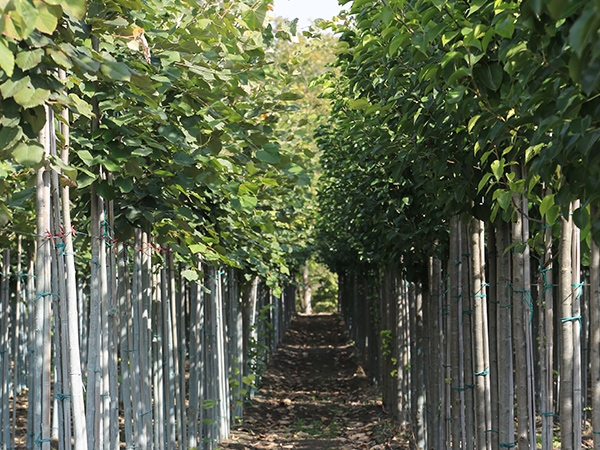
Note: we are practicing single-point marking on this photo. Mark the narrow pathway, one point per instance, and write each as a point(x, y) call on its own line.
point(314, 395)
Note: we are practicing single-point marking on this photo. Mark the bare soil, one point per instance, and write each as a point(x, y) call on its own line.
point(315, 395)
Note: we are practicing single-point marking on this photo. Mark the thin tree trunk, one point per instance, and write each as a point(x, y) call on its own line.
point(522, 314)
point(5, 327)
point(481, 364)
point(70, 304)
point(125, 341)
point(546, 314)
point(595, 337)
point(62, 394)
point(307, 290)
point(566, 334)
point(167, 354)
point(492, 331)
point(468, 339)
point(456, 307)
point(42, 399)
point(506, 431)
point(577, 289)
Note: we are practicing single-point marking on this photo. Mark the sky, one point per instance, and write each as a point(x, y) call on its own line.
point(306, 10)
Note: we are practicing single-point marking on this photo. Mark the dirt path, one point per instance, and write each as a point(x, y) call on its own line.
point(314, 395)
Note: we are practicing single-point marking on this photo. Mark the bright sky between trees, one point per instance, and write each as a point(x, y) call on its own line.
point(306, 10)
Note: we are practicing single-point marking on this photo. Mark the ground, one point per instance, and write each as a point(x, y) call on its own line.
point(315, 395)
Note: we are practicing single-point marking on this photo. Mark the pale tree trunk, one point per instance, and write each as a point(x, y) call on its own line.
point(492, 332)
point(62, 395)
point(196, 364)
point(467, 335)
point(42, 400)
point(125, 340)
point(566, 334)
point(94, 343)
point(136, 369)
point(146, 294)
point(595, 337)
point(506, 415)
point(576, 294)
point(174, 332)
point(481, 364)
point(112, 329)
point(5, 326)
point(522, 315)
point(307, 290)
point(70, 304)
point(164, 427)
point(546, 314)
point(167, 354)
point(456, 350)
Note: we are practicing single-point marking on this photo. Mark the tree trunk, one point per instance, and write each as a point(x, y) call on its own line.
point(506, 415)
point(595, 337)
point(456, 351)
point(481, 364)
point(546, 314)
point(566, 334)
point(307, 290)
point(70, 304)
point(41, 400)
point(576, 294)
point(522, 315)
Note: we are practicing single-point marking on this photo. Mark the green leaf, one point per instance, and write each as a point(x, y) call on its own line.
point(28, 154)
point(557, 8)
point(115, 70)
point(209, 403)
point(552, 214)
point(269, 154)
point(9, 136)
point(30, 98)
point(190, 275)
point(106, 190)
point(462, 72)
point(590, 77)
point(183, 159)
point(360, 103)
point(197, 248)
point(547, 203)
point(491, 75)
point(248, 202)
point(29, 59)
point(506, 26)
point(581, 217)
point(582, 32)
point(75, 7)
point(48, 16)
point(7, 59)
point(498, 168)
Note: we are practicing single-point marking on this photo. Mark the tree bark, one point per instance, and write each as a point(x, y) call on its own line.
point(595, 337)
point(566, 334)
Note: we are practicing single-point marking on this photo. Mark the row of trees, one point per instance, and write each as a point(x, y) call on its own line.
point(151, 213)
point(460, 208)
